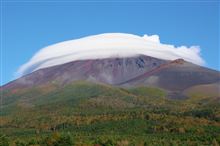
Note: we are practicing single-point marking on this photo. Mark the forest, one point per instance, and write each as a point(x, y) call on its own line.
point(85, 114)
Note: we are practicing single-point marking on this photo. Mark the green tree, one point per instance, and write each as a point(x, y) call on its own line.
point(4, 140)
point(57, 139)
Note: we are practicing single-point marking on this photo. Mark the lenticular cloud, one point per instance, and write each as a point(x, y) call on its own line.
point(108, 45)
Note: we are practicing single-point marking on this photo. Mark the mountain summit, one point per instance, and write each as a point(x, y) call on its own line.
point(108, 45)
point(172, 75)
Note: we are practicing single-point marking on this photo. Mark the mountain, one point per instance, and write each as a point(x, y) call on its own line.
point(108, 101)
point(177, 75)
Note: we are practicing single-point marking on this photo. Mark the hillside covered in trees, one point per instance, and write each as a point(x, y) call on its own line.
point(90, 114)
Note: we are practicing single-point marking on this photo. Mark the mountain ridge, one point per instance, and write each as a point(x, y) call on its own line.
point(126, 72)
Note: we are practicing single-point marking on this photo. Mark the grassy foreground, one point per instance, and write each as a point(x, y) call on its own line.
point(100, 115)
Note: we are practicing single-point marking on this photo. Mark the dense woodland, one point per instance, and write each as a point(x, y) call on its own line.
point(98, 115)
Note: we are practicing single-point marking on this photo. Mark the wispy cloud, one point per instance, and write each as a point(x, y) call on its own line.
point(108, 45)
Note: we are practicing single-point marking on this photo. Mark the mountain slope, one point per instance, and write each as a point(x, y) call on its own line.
point(177, 75)
point(110, 71)
point(94, 113)
point(141, 70)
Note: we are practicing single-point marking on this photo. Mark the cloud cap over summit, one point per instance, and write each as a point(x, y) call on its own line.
point(108, 45)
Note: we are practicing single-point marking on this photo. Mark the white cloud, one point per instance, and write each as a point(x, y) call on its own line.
point(108, 45)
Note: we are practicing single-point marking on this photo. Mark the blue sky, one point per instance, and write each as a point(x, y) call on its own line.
point(29, 26)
